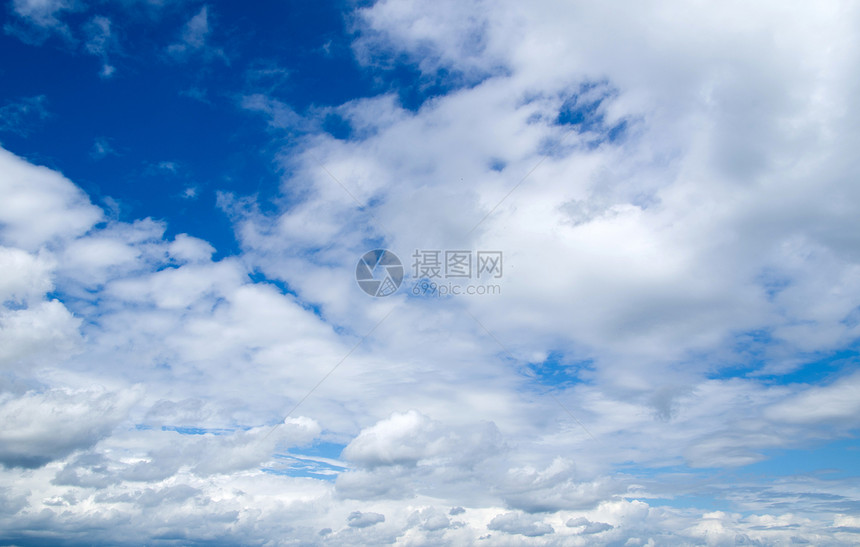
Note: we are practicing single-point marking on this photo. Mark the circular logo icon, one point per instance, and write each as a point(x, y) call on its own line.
point(379, 272)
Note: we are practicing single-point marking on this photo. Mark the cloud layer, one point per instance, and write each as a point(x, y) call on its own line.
point(672, 192)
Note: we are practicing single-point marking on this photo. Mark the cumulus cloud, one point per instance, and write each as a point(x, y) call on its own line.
point(617, 205)
point(643, 213)
point(43, 427)
point(191, 249)
point(38, 334)
point(402, 439)
point(396, 455)
point(26, 277)
point(680, 223)
point(431, 519)
point(40, 206)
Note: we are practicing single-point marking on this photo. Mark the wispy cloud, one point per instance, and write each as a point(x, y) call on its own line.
point(195, 40)
point(102, 148)
point(100, 41)
point(23, 116)
point(39, 19)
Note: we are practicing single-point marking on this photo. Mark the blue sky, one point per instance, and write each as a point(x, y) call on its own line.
point(162, 138)
point(669, 356)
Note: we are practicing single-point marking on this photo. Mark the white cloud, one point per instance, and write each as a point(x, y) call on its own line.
point(40, 206)
point(401, 439)
point(836, 403)
point(191, 249)
point(42, 332)
point(445, 34)
point(26, 277)
point(649, 256)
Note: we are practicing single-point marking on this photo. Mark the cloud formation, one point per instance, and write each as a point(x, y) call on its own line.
point(680, 249)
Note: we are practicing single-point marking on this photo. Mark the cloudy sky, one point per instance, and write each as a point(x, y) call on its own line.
point(664, 349)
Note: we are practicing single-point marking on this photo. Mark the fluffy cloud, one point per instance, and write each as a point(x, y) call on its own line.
point(40, 206)
point(645, 202)
point(42, 427)
point(406, 439)
point(25, 276)
point(40, 333)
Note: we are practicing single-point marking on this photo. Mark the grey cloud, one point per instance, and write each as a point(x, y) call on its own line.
point(430, 519)
point(588, 527)
point(515, 523)
point(42, 427)
point(357, 519)
point(11, 503)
